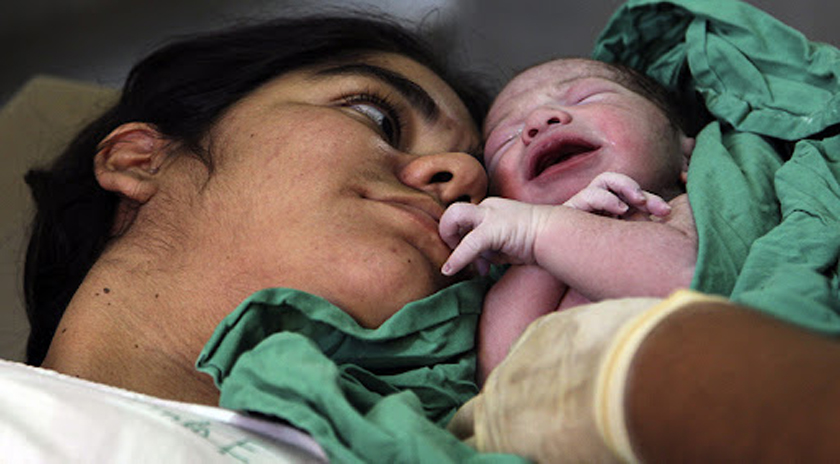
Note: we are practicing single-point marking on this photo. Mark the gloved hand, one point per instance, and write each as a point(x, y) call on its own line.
point(559, 394)
point(504, 231)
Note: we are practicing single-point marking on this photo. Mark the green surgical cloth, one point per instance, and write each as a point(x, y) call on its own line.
point(366, 395)
point(763, 180)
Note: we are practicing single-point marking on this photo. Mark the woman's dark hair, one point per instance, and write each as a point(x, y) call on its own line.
point(182, 90)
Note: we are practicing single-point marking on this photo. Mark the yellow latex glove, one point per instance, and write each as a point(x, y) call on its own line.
point(559, 394)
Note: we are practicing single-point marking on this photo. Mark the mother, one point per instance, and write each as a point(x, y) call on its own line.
point(314, 154)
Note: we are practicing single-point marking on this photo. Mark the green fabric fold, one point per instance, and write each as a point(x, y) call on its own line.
point(366, 395)
point(753, 71)
point(763, 177)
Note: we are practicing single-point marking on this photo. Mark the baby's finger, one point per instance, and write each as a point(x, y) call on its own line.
point(622, 185)
point(456, 222)
point(597, 200)
point(466, 252)
point(656, 206)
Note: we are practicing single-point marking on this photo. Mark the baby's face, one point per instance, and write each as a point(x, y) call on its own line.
point(556, 126)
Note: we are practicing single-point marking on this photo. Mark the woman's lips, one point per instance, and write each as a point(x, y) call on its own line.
point(419, 219)
point(427, 215)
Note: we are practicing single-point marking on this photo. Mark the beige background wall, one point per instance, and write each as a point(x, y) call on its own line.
point(34, 125)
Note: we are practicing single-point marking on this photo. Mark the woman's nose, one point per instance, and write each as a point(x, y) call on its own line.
point(540, 120)
point(449, 177)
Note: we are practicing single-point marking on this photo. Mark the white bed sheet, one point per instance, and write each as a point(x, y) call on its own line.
point(50, 417)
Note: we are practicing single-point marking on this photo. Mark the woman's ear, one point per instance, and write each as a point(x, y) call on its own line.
point(128, 160)
point(687, 146)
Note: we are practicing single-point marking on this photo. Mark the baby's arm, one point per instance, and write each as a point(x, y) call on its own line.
point(528, 291)
point(608, 194)
point(523, 294)
point(650, 256)
point(601, 257)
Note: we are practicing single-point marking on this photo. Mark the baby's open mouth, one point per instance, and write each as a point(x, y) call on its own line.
point(563, 152)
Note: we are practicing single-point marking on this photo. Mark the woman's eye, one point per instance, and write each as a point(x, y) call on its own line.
point(378, 117)
point(380, 113)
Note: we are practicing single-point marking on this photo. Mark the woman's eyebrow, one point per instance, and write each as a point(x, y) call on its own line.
point(412, 92)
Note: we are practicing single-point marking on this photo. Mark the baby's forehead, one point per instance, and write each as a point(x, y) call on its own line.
point(555, 72)
point(538, 80)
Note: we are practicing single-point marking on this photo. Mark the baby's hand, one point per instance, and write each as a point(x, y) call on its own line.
point(496, 230)
point(615, 195)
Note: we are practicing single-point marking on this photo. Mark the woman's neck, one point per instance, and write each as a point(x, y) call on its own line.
point(122, 330)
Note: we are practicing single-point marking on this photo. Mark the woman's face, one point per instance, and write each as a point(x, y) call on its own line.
point(332, 180)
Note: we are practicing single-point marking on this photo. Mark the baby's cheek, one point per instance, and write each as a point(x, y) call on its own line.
point(503, 179)
point(501, 187)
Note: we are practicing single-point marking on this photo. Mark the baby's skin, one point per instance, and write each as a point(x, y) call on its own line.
point(534, 240)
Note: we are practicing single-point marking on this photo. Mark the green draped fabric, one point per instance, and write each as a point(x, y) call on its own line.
point(763, 178)
point(366, 395)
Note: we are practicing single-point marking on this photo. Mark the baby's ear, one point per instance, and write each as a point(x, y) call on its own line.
point(687, 147)
point(129, 159)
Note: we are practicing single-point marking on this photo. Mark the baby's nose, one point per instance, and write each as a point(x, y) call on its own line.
point(540, 120)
